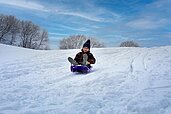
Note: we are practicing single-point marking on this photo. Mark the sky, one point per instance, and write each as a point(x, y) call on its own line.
point(147, 22)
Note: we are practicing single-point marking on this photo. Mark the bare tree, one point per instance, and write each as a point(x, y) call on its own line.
point(29, 32)
point(43, 40)
point(14, 31)
point(22, 33)
point(95, 43)
point(77, 41)
point(6, 23)
point(129, 44)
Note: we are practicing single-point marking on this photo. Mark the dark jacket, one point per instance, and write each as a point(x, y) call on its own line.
point(79, 57)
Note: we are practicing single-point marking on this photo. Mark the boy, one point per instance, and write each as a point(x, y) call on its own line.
point(84, 57)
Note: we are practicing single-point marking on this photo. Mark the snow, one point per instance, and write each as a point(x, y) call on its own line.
point(12, 53)
point(123, 81)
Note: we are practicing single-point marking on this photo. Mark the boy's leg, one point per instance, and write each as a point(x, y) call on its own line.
point(72, 61)
point(85, 58)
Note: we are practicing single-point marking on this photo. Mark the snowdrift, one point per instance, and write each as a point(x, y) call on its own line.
point(123, 81)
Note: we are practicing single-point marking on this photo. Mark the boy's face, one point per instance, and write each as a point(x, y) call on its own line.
point(85, 49)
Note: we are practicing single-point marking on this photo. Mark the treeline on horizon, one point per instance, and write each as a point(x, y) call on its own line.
point(26, 34)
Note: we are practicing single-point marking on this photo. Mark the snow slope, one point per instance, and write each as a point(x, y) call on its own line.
point(123, 81)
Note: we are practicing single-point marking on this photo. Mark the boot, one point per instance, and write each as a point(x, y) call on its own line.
point(72, 61)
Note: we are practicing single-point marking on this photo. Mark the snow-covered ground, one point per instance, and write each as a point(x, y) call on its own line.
point(123, 81)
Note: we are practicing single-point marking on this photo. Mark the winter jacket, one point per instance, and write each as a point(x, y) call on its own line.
point(79, 57)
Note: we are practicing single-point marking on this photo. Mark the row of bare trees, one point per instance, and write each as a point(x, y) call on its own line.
point(129, 43)
point(77, 41)
point(22, 33)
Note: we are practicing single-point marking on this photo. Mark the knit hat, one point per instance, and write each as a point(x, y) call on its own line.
point(87, 44)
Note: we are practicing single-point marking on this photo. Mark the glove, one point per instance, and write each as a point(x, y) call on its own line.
point(87, 63)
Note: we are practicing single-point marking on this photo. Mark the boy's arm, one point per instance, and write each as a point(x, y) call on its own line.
point(91, 59)
point(77, 57)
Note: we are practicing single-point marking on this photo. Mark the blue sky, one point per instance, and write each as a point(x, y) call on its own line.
point(111, 21)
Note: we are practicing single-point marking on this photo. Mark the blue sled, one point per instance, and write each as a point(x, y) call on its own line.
point(80, 69)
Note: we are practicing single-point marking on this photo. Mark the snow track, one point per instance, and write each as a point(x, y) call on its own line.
point(123, 81)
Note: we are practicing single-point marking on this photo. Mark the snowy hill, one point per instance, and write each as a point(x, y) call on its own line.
point(123, 81)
